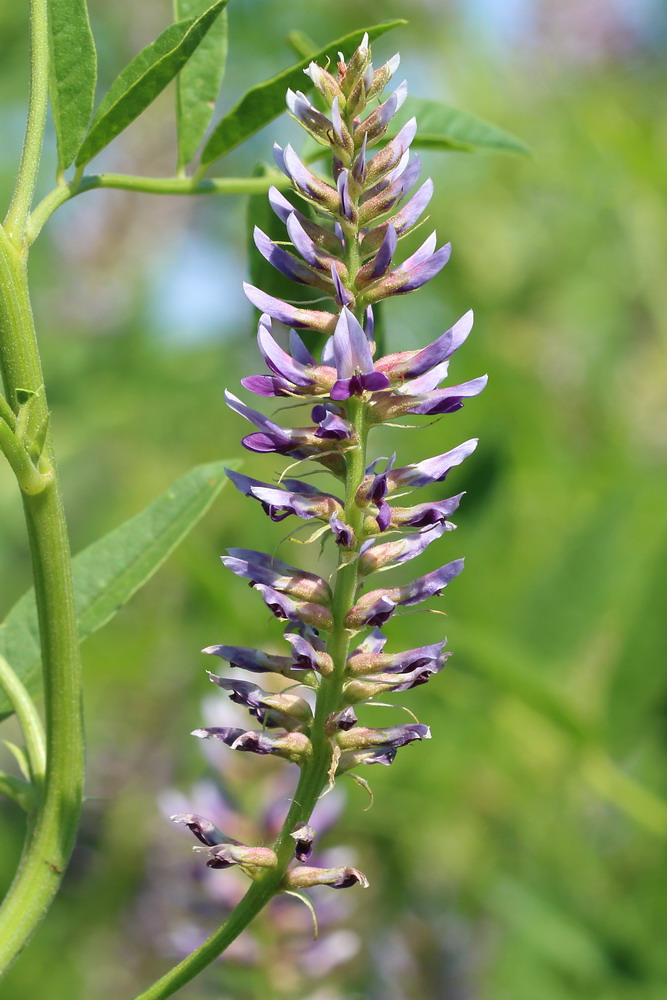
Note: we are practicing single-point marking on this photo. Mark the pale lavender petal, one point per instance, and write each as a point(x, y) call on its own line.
point(309, 319)
point(411, 211)
point(345, 204)
point(430, 585)
point(427, 513)
point(351, 348)
point(394, 553)
point(431, 470)
point(425, 383)
point(342, 296)
point(267, 385)
point(284, 261)
point(359, 166)
point(447, 400)
point(278, 360)
point(307, 182)
point(253, 660)
point(299, 351)
point(303, 243)
point(381, 261)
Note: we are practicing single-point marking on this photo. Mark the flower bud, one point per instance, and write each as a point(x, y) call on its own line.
point(337, 878)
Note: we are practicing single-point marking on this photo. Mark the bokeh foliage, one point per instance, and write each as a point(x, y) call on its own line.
point(518, 855)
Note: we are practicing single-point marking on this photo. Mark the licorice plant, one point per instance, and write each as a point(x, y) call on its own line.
point(344, 244)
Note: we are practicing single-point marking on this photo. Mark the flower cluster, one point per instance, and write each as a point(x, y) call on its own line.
point(343, 244)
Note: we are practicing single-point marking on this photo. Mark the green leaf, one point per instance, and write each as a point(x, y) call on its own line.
point(111, 570)
point(440, 126)
point(264, 102)
point(144, 78)
point(72, 74)
point(199, 82)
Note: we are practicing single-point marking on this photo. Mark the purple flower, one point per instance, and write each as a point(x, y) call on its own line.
point(412, 399)
point(362, 738)
point(386, 555)
point(423, 514)
point(377, 606)
point(284, 709)
point(414, 272)
point(302, 319)
point(354, 364)
point(411, 364)
point(286, 609)
point(292, 746)
point(370, 658)
point(287, 263)
point(257, 662)
point(431, 470)
point(280, 503)
point(261, 568)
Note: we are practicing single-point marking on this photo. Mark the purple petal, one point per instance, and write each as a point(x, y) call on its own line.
point(389, 157)
point(431, 470)
point(330, 425)
point(342, 296)
point(394, 553)
point(351, 348)
point(380, 263)
point(306, 181)
point(267, 385)
point(447, 400)
point(283, 209)
point(424, 271)
point(252, 660)
point(303, 243)
point(345, 204)
point(299, 351)
point(309, 319)
point(434, 354)
point(424, 514)
point(410, 212)
point(427, 382)
point(343, 533)
point(278, 360)
point(430, 585)
point(273, 572)
point(359, 167)
point(284, 261)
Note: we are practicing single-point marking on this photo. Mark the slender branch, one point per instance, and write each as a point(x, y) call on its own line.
point(148, 185)
point(19, 208)
point(28, 718)
point(53, 830)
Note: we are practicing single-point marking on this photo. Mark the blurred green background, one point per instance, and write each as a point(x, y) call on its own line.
point(520, 854)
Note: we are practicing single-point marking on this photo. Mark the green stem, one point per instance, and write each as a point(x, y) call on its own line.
point(148, 185)
point(315, 773)
point(53, 830)
point(19, 208)
point(28, 718)
point(29, 478)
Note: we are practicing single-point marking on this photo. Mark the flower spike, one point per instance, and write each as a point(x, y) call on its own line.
point(344, 243)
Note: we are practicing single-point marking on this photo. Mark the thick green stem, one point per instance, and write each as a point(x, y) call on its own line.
point(53, 830)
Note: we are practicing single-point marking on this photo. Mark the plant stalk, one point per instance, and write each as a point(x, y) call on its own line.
point(53, 828)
